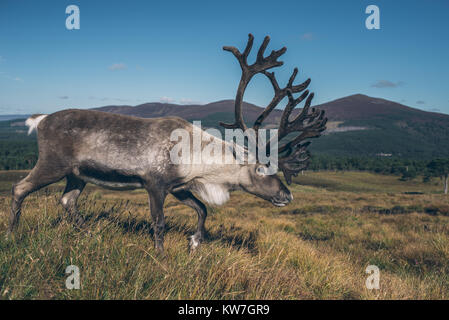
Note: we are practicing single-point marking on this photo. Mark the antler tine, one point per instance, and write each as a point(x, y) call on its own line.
point(249, 46)
point(272, 78)
point(262, 48)
point(317, 114)
point(284, 126)
point(279, 94)
point(242, 57)
point(292, 77)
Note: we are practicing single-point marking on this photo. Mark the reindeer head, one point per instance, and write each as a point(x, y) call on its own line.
point(292, 153)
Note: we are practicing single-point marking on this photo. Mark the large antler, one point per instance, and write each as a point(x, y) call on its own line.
point(295, 156)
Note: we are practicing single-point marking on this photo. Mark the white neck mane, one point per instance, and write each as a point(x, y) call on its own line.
point(212, 193)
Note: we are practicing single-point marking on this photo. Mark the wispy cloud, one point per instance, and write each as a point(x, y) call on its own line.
point(112, 99)
point(14, 110)
point(166, 100)
point(387, 84)
point(308, 36)
point(98, 98)
point(420, 102)
point(189, 101)
point(434, 110)
point(63, 97)
point(117, 66)
point(7, 76)
point(121, 100)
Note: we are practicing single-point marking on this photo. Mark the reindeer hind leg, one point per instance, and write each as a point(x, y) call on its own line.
point(71, 193)
point(38, 178)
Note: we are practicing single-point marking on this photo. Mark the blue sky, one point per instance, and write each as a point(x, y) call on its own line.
point(141, 51)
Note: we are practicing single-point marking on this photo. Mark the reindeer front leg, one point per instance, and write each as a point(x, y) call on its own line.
point(156, 199)
point(190, 200)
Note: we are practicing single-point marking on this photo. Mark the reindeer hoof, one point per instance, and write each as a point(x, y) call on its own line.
point(159, 247)
point(78, 221)
point(194, 243)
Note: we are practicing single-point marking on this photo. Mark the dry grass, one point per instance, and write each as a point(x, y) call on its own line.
point(316, 248)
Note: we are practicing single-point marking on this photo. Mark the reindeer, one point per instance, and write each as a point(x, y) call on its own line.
point(124, 152)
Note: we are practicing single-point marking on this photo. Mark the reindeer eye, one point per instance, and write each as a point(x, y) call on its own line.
point(261, 171)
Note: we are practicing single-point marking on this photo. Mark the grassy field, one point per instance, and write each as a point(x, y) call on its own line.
point(318, 247)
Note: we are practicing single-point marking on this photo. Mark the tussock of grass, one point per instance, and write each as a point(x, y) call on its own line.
point(316, 248)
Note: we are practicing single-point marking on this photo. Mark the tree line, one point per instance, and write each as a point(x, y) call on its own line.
point(406, 169)
point(22, 155)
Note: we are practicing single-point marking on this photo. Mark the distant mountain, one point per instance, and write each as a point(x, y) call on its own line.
point(358, 125)
point(354, 107)
point(388, 128)
point(362, 107)
point(6, 117)
point(188, 112)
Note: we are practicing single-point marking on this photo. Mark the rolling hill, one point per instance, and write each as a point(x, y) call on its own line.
point(358, 125)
